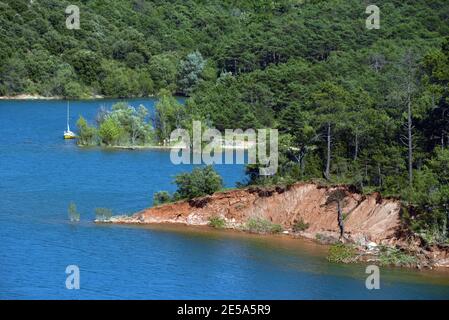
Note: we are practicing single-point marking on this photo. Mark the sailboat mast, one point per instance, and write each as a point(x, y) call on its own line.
point(68, 111)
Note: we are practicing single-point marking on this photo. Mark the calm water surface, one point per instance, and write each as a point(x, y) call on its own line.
point(40, 174)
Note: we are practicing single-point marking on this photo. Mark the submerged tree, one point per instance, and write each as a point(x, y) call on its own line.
point(74, 215)
point(103, 214)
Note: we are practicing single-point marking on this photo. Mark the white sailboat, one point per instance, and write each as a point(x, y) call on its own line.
point(67, 133)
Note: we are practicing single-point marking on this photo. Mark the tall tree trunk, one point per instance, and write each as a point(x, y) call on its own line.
point(410, 142)
point(302, 164)
point(356, 151)
point(328, 160)
point(411, 77)
point(442, 140)
point(340, 220)
point(379, 175)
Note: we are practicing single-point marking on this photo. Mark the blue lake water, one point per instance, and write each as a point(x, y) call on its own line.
point(40, 174)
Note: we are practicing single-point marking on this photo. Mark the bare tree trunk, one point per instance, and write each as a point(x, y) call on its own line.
point(134, 133)
point(356, 152)
point(366, 171)
point(302, 165)
point(410, 88)
point(328, 160)
point(410, 142)
point(340, 220)
point(379, 175)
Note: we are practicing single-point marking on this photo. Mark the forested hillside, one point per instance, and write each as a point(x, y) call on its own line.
point(359, 106)
point(129, 48)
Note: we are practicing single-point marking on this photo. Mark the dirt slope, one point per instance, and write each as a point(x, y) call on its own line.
point(370, 217)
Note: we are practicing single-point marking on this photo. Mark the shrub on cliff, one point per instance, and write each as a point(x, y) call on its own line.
point(161, 197)
point(395, 257)
point(217, 222)
point(200, 182)
point(300, 226)
point(340, 252)
point(260, 225)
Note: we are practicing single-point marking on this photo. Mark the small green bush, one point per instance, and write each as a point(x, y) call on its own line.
point(199, 182)
point(110, 131)
point(86, 133)
point(259, 225)
point(103, 214)
point(74, 215)
point(161, 197)
point(340, 252)
point(300, 226)
point(217, 222)
point(395, 257)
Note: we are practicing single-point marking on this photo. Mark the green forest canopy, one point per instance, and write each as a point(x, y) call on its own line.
point(367, 107)
point(127, 48)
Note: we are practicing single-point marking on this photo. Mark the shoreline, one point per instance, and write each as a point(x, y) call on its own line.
point(34, 97)
point(39, 97)
point(372, 228)
point(284, 241)
point(156, 147)
point(363, 256)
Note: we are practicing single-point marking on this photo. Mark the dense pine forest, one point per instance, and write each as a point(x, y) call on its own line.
point(364, 107)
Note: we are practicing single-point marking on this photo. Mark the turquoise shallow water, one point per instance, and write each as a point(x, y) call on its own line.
point(40, 174)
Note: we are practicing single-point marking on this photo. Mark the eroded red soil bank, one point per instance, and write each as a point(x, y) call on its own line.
point(369, 219)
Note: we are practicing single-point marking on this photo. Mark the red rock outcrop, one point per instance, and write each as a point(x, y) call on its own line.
point(370, 217)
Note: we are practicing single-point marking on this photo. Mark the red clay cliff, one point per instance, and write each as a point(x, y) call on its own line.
point(368, 218)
